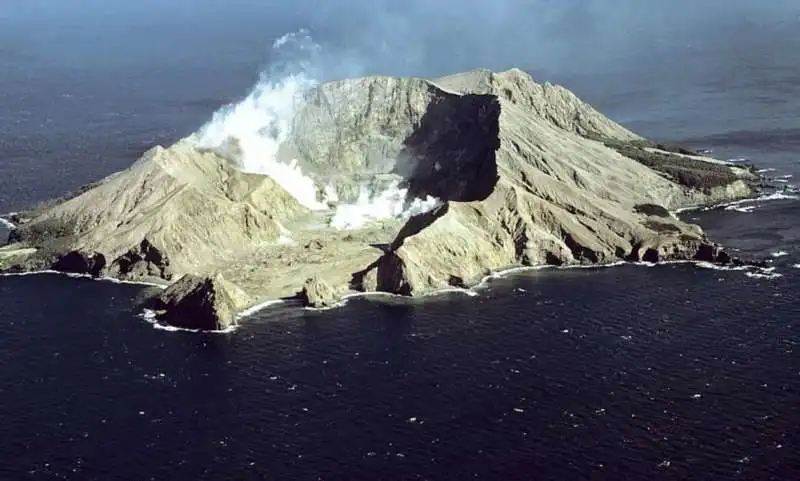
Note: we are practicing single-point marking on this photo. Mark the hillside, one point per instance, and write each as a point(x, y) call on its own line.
point(420, 185)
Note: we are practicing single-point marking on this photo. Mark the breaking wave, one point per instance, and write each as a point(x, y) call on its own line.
point(150, 317)
point(7, 224)
point(75, 275)
point(741, 205)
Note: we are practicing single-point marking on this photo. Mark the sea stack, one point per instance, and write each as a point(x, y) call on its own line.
point(495, 170)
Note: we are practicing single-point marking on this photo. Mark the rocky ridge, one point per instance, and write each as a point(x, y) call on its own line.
point(526, 173)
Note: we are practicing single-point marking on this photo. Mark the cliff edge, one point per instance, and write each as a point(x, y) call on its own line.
point(400, 185)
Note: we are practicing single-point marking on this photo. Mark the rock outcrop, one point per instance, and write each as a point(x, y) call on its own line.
point(524, 173)
point(78, 262)
point(317, 293)
point(206, 303)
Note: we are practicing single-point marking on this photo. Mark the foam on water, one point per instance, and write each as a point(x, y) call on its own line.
point(754, 272)
point(699, 264)
point(779, 254)
point(739, 205)
point(150, 317)
point(717, 267)
point(392, 203)
point(745, 210)
point(259, 307)
point(742, 203)
point(81, 276)
point(7, 224)
point(762, 275)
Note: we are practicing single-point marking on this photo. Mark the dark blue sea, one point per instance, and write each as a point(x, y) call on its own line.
point(633, 372)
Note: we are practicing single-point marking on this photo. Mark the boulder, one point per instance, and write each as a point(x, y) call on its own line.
point(317, 293)
point(80, 262)
point(195, 302)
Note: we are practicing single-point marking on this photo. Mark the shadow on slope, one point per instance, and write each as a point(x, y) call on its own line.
point(450, 156)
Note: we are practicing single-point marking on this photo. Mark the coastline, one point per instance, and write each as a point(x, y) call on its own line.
point(150, 317)
point(471, 291)
point(761, 197)
point(532, 194)
point(74, 275)
point(484, 282)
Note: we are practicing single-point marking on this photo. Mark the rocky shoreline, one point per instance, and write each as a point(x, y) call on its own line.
point(522, 174)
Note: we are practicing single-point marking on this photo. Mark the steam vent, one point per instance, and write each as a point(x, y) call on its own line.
point(399, 185)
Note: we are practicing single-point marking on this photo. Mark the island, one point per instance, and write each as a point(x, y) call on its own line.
point(489, 170)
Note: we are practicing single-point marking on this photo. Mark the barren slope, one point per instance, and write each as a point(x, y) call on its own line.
point(520, 179)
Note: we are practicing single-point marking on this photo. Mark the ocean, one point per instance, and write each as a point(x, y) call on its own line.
point(668, 372)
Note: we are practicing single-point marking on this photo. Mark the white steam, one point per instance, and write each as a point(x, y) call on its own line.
point(254, 129)
point(257, 126)
point(389, 204)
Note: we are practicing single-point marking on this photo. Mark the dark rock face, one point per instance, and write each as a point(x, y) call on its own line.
point(391, 275)
point(714, 253)
point(580, 252)
point(724, 258)
point(196, 303)
point(417, 224)
point(316, 293)
point(451, 155)
point(650, 255)
point(651, 209)
point(711, 253)
point(388, 274)
point(78, 262)
point(141, 261)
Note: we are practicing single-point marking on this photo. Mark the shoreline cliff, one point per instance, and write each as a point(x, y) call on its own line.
point(493, 170)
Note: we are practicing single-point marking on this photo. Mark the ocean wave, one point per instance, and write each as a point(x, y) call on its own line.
point(763, 275)
point(737, 204)
point(718, 267)
point(150, 317)
point(774, 196)
point(259, 307)
point(74, 275)
point(7, 224)
point(748, 209)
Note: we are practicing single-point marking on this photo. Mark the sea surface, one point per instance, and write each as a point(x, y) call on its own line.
point(668, 372)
